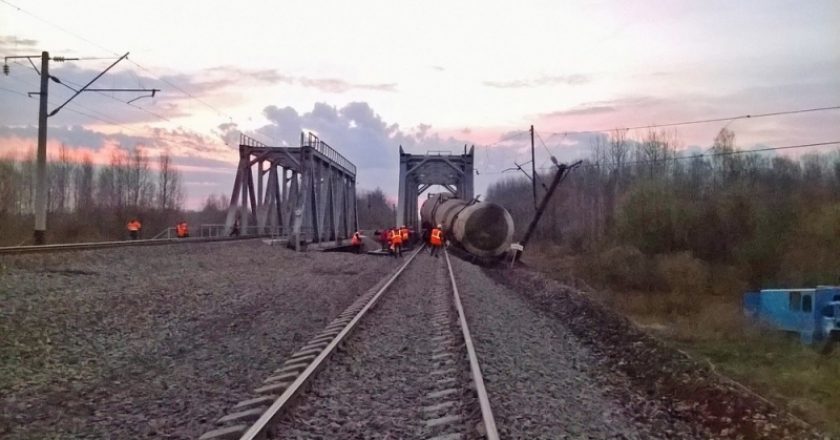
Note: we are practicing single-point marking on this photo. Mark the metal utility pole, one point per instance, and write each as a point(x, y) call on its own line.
point(39, 235)
point(533, 169)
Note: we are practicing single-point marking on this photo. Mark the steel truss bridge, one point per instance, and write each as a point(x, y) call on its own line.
point(305, 194)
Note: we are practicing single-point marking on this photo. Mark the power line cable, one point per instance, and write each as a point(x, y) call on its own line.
point(704, 121)
point(169, 83)
point(543, 143)
point(164, 118)
point(87, 111)
point(14, 92)
point(719, 154)
point(509, 137)
point(62, 83)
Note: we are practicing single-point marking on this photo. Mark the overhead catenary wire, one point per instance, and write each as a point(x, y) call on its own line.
point(543, 144)
point(169, 83)
point(698, 156)
point(729, 119)
point(86, 111)
point(717, 154)
point(129, 103)
point(102, 117)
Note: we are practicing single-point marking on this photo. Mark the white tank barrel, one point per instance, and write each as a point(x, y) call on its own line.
point(482, 229)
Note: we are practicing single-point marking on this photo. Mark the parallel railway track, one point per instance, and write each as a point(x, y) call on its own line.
point(458, 409)
point(14, 250)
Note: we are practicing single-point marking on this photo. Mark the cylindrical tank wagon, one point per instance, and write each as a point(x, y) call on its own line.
point(483, 229)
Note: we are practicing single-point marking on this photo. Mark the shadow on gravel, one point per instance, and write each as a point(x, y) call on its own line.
point(688, 389)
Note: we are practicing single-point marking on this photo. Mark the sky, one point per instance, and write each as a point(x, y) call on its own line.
point(369, 76)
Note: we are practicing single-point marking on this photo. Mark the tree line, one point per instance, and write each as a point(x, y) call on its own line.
point(87, 201)
point(731, 219)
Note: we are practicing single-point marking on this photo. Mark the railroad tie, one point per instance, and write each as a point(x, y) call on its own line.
point(226, 433)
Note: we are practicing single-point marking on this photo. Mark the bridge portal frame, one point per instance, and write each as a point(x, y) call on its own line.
point(418, 172)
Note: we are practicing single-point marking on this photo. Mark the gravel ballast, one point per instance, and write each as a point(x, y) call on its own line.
point(542, 382)
point(157, 342)
point(652, 380)
point(375, 387)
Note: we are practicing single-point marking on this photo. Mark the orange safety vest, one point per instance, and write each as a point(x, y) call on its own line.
point(133, 225)
point(404, 234)
point(356, 240)
point(395, 237)
point(181, 229)
point(436, 237)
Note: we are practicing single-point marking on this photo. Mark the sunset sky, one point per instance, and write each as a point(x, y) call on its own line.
point(368, 76)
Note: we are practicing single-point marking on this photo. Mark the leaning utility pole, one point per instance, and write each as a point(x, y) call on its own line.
point(562, 171)
point(533, 169)
point(39, 235)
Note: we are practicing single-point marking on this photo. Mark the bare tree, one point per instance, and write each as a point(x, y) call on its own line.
point(140, 184)
point(60, 177)
point(8, 193)
point(169, 191)
point(83, 177)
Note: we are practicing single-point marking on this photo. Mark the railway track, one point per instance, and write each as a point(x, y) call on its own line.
point(454, 404)
point(14, 250)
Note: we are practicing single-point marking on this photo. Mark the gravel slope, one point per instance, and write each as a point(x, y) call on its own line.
point(543, 383)
point(651, 379)
point(375, 388)
point(157, 341)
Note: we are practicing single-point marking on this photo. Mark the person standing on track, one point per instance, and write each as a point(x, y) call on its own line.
point(396, 242)
point(134, 226)
point(356, 241)
point(436, 240)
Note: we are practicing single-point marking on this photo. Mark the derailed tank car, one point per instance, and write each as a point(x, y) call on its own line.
point(482, 229)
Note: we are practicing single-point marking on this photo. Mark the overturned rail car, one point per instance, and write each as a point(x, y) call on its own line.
point(482, 229)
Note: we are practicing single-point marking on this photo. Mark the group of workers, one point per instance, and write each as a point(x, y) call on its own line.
point(395, 239)
point(134, 227)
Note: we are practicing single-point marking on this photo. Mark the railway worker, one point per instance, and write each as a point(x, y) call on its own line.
point(356, 241)
point(396, 242)
point(234, 230)
point(436, 240)
point(182, 230)
point(134, 226)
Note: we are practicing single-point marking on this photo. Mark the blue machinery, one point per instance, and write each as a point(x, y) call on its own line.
point(812, 313)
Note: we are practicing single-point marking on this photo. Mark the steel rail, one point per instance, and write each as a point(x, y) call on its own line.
point(113, 244)
point(260, 427)
point(483, 400)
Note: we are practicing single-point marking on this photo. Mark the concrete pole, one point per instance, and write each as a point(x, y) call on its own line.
point(533, 169)
point(41, 165)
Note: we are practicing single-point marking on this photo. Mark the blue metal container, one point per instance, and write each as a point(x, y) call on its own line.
point(812, 313)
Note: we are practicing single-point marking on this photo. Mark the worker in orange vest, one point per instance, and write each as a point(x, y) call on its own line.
point(134, 226)
point(356, 241)
point(404, 234)
point(436, 240)
point(395, 238)
point(182, 230)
